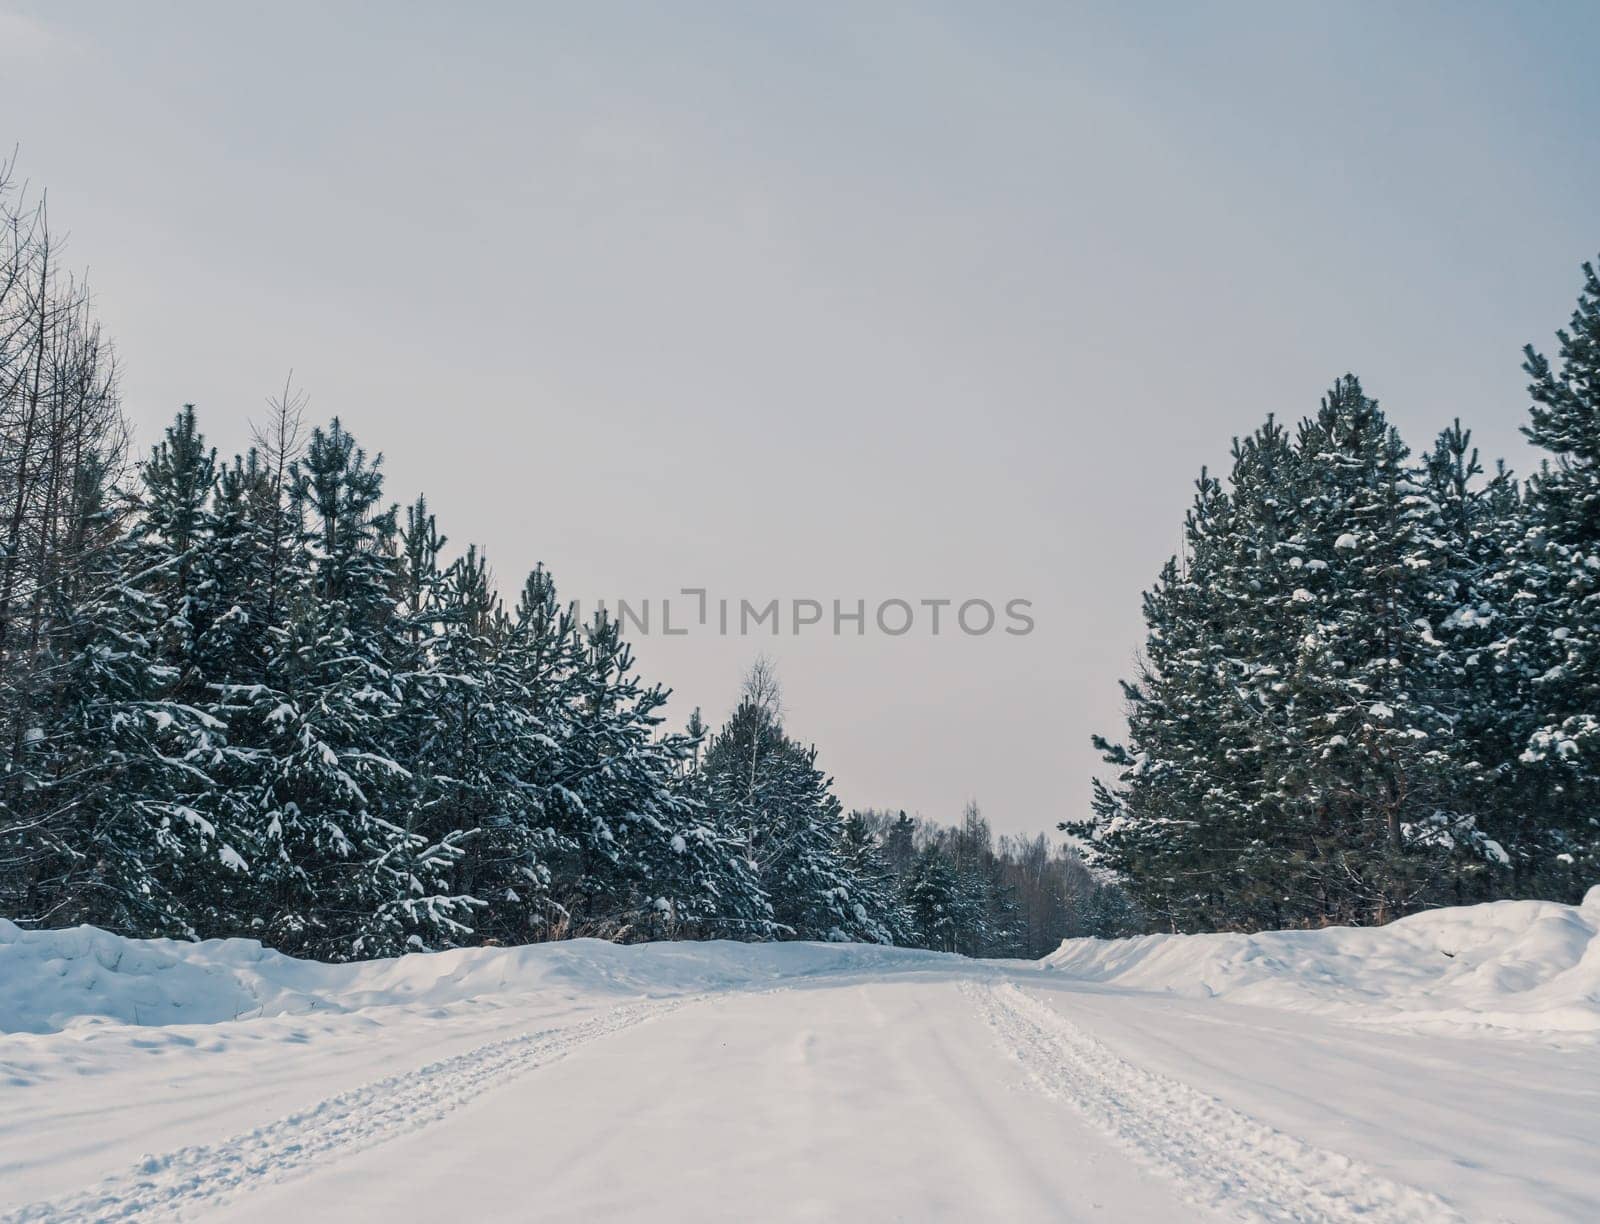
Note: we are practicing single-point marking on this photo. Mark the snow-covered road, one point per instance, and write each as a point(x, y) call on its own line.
point(724, 1082)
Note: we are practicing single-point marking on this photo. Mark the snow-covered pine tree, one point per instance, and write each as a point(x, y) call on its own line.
point(1192, 823)
point(120, 753)
point(732, 901)
point(343, 875)
point(1004, 927)
point(175, 558)
point(1293, 755)
point(990, 922)
point(652, 862)
point(1552, 632)
point(230, 649)
point(766, 790)
point(1480, 525)
point(1371, 771)
point(875, 878)
point(899, 842)
point(469, 723)
point(536, 659)
point(695, 732)
point(938, 908)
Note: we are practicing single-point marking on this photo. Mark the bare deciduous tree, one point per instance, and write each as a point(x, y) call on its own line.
point(63, 455)
point(279, 441)
point(763, 694)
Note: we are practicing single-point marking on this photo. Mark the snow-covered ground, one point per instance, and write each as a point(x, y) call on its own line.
point(1445, 1067)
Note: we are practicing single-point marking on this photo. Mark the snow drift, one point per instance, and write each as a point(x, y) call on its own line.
point(52, 980)
point(1532, 966)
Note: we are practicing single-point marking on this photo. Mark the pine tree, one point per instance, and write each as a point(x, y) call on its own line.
point(345, 876)
point(766, 792)
point(1187, 821)
point(173, 559)
point(467, 724)
point(990, 923)
point(651, 864)
point(122, 751)
point(1553, 632)
point(1294, 750)
point(939, 910)
point(875, 881)
point(899, 843)
point(232, 650)
point(1370, 770)
point(1486, 699)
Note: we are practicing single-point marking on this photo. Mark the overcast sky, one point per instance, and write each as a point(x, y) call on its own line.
point(825, 301)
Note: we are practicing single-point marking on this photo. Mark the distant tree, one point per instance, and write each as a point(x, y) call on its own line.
point(939, 908)
point(765, 790)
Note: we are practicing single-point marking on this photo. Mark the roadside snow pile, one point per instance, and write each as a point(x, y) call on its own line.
point(1532, 966)
point(53, 980)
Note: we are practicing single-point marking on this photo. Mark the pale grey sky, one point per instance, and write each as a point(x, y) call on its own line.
point(833, 301)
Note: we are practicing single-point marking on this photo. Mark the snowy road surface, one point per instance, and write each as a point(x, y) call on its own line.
point(801, 1082)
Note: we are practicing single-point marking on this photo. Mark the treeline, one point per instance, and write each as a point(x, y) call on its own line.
point(249, 697)
point(1371, 683)
point(258, 703)
point(962, 890)
point(879, 876)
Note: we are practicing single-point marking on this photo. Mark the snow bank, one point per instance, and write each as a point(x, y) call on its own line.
point(1532, 966)
point(53, 980)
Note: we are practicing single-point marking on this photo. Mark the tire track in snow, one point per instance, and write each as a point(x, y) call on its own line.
point(1221, 1159)
point(176, 1183)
